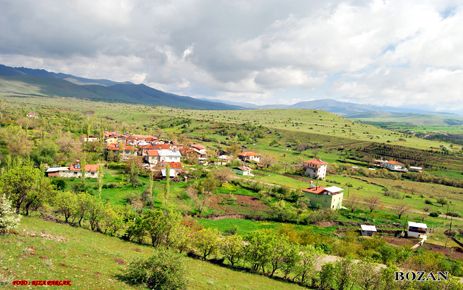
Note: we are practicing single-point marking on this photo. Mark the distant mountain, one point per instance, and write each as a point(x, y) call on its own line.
point(354, 110)
point(45, 83)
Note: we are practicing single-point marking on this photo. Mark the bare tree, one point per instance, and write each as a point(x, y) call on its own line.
point(401, 209)
point(352, 202)
point(223, 175)
point(373, 203)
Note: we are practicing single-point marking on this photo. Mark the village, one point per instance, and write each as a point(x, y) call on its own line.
point(164, 160)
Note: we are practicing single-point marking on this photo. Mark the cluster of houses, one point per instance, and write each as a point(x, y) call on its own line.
point(394, 165)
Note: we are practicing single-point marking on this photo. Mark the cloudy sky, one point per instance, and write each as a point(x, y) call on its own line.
point(264, 51)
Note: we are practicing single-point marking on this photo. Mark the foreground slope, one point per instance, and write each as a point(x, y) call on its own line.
point(45, 250)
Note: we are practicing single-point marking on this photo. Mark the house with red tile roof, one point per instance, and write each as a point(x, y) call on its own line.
point(74, 171)
point(200, 151)
point(249, 156)
point(324, 197)
point(175, 168)
point(315, 168)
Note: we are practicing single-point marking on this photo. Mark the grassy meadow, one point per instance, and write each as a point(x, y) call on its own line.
point(44, 250)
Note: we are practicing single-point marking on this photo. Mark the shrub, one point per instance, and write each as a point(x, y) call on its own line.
point(454, 214)
point(433, 214)
point(8, 219)
point(163, 270)
point(428, 201)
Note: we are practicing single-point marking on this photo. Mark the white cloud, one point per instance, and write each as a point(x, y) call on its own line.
point(390, 52)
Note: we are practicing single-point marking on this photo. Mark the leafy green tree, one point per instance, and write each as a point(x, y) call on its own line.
point(113, 220)
point(83, 204)
point(328, 277)
point(164, 271)
point(20, 182)
point(8, 219)
point(133, 172)
point(45, 152)
point(160, 224)
point(65, 203)
point(232, 248)
point(284, 253)
point(367, 275)
point(304, 267)
point(95, 213)
point(206, 242)
point(259, 249)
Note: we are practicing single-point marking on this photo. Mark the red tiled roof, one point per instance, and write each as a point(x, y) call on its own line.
point(174, 165)
point(113, 147)
point(315, 162)
point(88, 167)
point(248, 153)
point(162, 146)
point(129, 148)
point(198, 146)
point(148, 146)
point(153, 153)
point(393, 162)
point(315, 190)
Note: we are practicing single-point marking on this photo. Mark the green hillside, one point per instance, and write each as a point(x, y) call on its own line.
point(301, 121)
point(49, 251)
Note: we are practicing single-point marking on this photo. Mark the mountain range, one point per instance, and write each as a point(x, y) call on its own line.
point(39, 82)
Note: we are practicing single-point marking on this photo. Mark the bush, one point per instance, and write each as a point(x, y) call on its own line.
point(454, 214)
point(163, 270)
point(433, 214)
point(428, 201)
point(8, 219)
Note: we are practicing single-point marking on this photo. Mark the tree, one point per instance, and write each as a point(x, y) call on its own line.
point(16, 141)
point(206, 242)
point(442, 201)
point(133, 172)
point(160, 224)
point(167, 188)
point(352, 202)
point(164, 270)
point(304, 269)
point(266, 161)
point(100, 180)
point(370, 281)
point(223, 175)
point(259, 249)
point(373, 203)
point(20, 182)
point(401, 209)
point(65, 203)
point(328, 277)
point(232, 248)
point(83, 204)
point(95, 213)
point(8, 219)
point(112, 220)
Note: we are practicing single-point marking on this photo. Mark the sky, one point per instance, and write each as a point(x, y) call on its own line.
point(396, 53)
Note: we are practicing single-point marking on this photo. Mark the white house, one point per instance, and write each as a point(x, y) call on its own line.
point(152, 157)
point(416, 230)
point(223, 159)
point(200, 151)
point(249, 156)
point(395, 166)
point(91, 171)
point(167, 155)
point(367, 230)
point(315, 168)
point(321, 197)
point(244, 170)
point(175, 168)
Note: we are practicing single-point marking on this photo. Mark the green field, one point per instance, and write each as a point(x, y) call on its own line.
point(307, 121)
point(49, 251)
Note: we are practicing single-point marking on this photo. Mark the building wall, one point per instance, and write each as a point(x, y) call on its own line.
point(322, 201)
point(169, 158)
point(318, 173)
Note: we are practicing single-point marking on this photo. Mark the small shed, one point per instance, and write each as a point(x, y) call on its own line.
point(416, 230)
point(367, 230)
point(244, 170)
